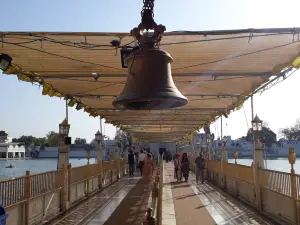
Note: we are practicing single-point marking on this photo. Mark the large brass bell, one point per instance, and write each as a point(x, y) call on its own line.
point(149, 84)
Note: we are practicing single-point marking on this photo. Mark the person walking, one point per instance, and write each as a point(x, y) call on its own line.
point(148, 168)
point(131, 162)
point(185, 166)
point(200, 164)
point(177, 168)
point(142, 157)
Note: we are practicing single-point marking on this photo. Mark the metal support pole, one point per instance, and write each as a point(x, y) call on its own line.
point(221, 127)
point(67, 113)
point(100, 157)
point(101, 124)
point(253, 135)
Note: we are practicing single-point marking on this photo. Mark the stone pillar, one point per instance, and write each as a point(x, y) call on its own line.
point(119, 164)
point(292, 160)
point(258, 163)
point(63, 162)
point(224, 159)
point(258, 154)
point(224, 153)
point(99, 161)
point(236, 183)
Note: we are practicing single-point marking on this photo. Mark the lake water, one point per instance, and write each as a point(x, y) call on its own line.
point(34, 166)
point(43, 165)
point(280, 164)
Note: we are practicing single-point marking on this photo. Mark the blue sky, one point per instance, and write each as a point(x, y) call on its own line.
point(23, 110)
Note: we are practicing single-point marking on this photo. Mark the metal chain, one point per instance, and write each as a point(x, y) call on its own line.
point(147, 13)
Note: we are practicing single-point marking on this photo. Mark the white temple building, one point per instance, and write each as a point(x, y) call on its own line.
point(9, 149)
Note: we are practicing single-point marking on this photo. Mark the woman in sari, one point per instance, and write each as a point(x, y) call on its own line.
point(185, 166)
point(148, 168)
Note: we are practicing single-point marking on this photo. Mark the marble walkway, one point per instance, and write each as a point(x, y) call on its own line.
point(196, 204)
point(124, 202)
point(187, 203)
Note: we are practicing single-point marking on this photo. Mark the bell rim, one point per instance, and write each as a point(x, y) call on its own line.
point(121, 103)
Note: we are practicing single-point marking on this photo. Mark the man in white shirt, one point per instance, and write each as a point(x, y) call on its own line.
point(142, 157)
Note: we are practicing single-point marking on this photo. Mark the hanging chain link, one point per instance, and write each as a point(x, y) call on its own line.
point(148, 23)
point(147, 13)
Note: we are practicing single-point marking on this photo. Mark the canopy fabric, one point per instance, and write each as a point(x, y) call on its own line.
point(215, 70)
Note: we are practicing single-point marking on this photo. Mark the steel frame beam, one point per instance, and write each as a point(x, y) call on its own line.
point(157, 120)
point(125, 113)
point(169, 110)
point(208, 74)
point(187, 95)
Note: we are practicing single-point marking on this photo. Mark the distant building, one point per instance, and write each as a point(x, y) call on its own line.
point(76, 151)
point(240, 145)
point(9, 149)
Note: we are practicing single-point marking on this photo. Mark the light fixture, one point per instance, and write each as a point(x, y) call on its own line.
point(208, 138)
point(95, 76)
point(64, 128)
point(125, 52)
point(206, 129)
point(5, 61)
point(224, 139)
point(225, 115)
point(79, 106)
point(98, 137)
point(256, 124)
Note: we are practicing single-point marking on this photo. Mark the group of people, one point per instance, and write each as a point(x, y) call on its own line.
point(182, 167)
point(145, 163)
point(142, 161)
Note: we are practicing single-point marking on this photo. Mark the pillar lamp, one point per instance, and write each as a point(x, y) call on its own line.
point(98, 137)
point(256, 124)
point(208, 138)
point(256, 127)
point(64, 128)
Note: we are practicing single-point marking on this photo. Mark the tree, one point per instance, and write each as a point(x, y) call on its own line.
point(39, 141)
point(80, 141)
point(123, 138)
point(27, 140)
point(291, 133)
point(53, 139)
point(267, 136)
